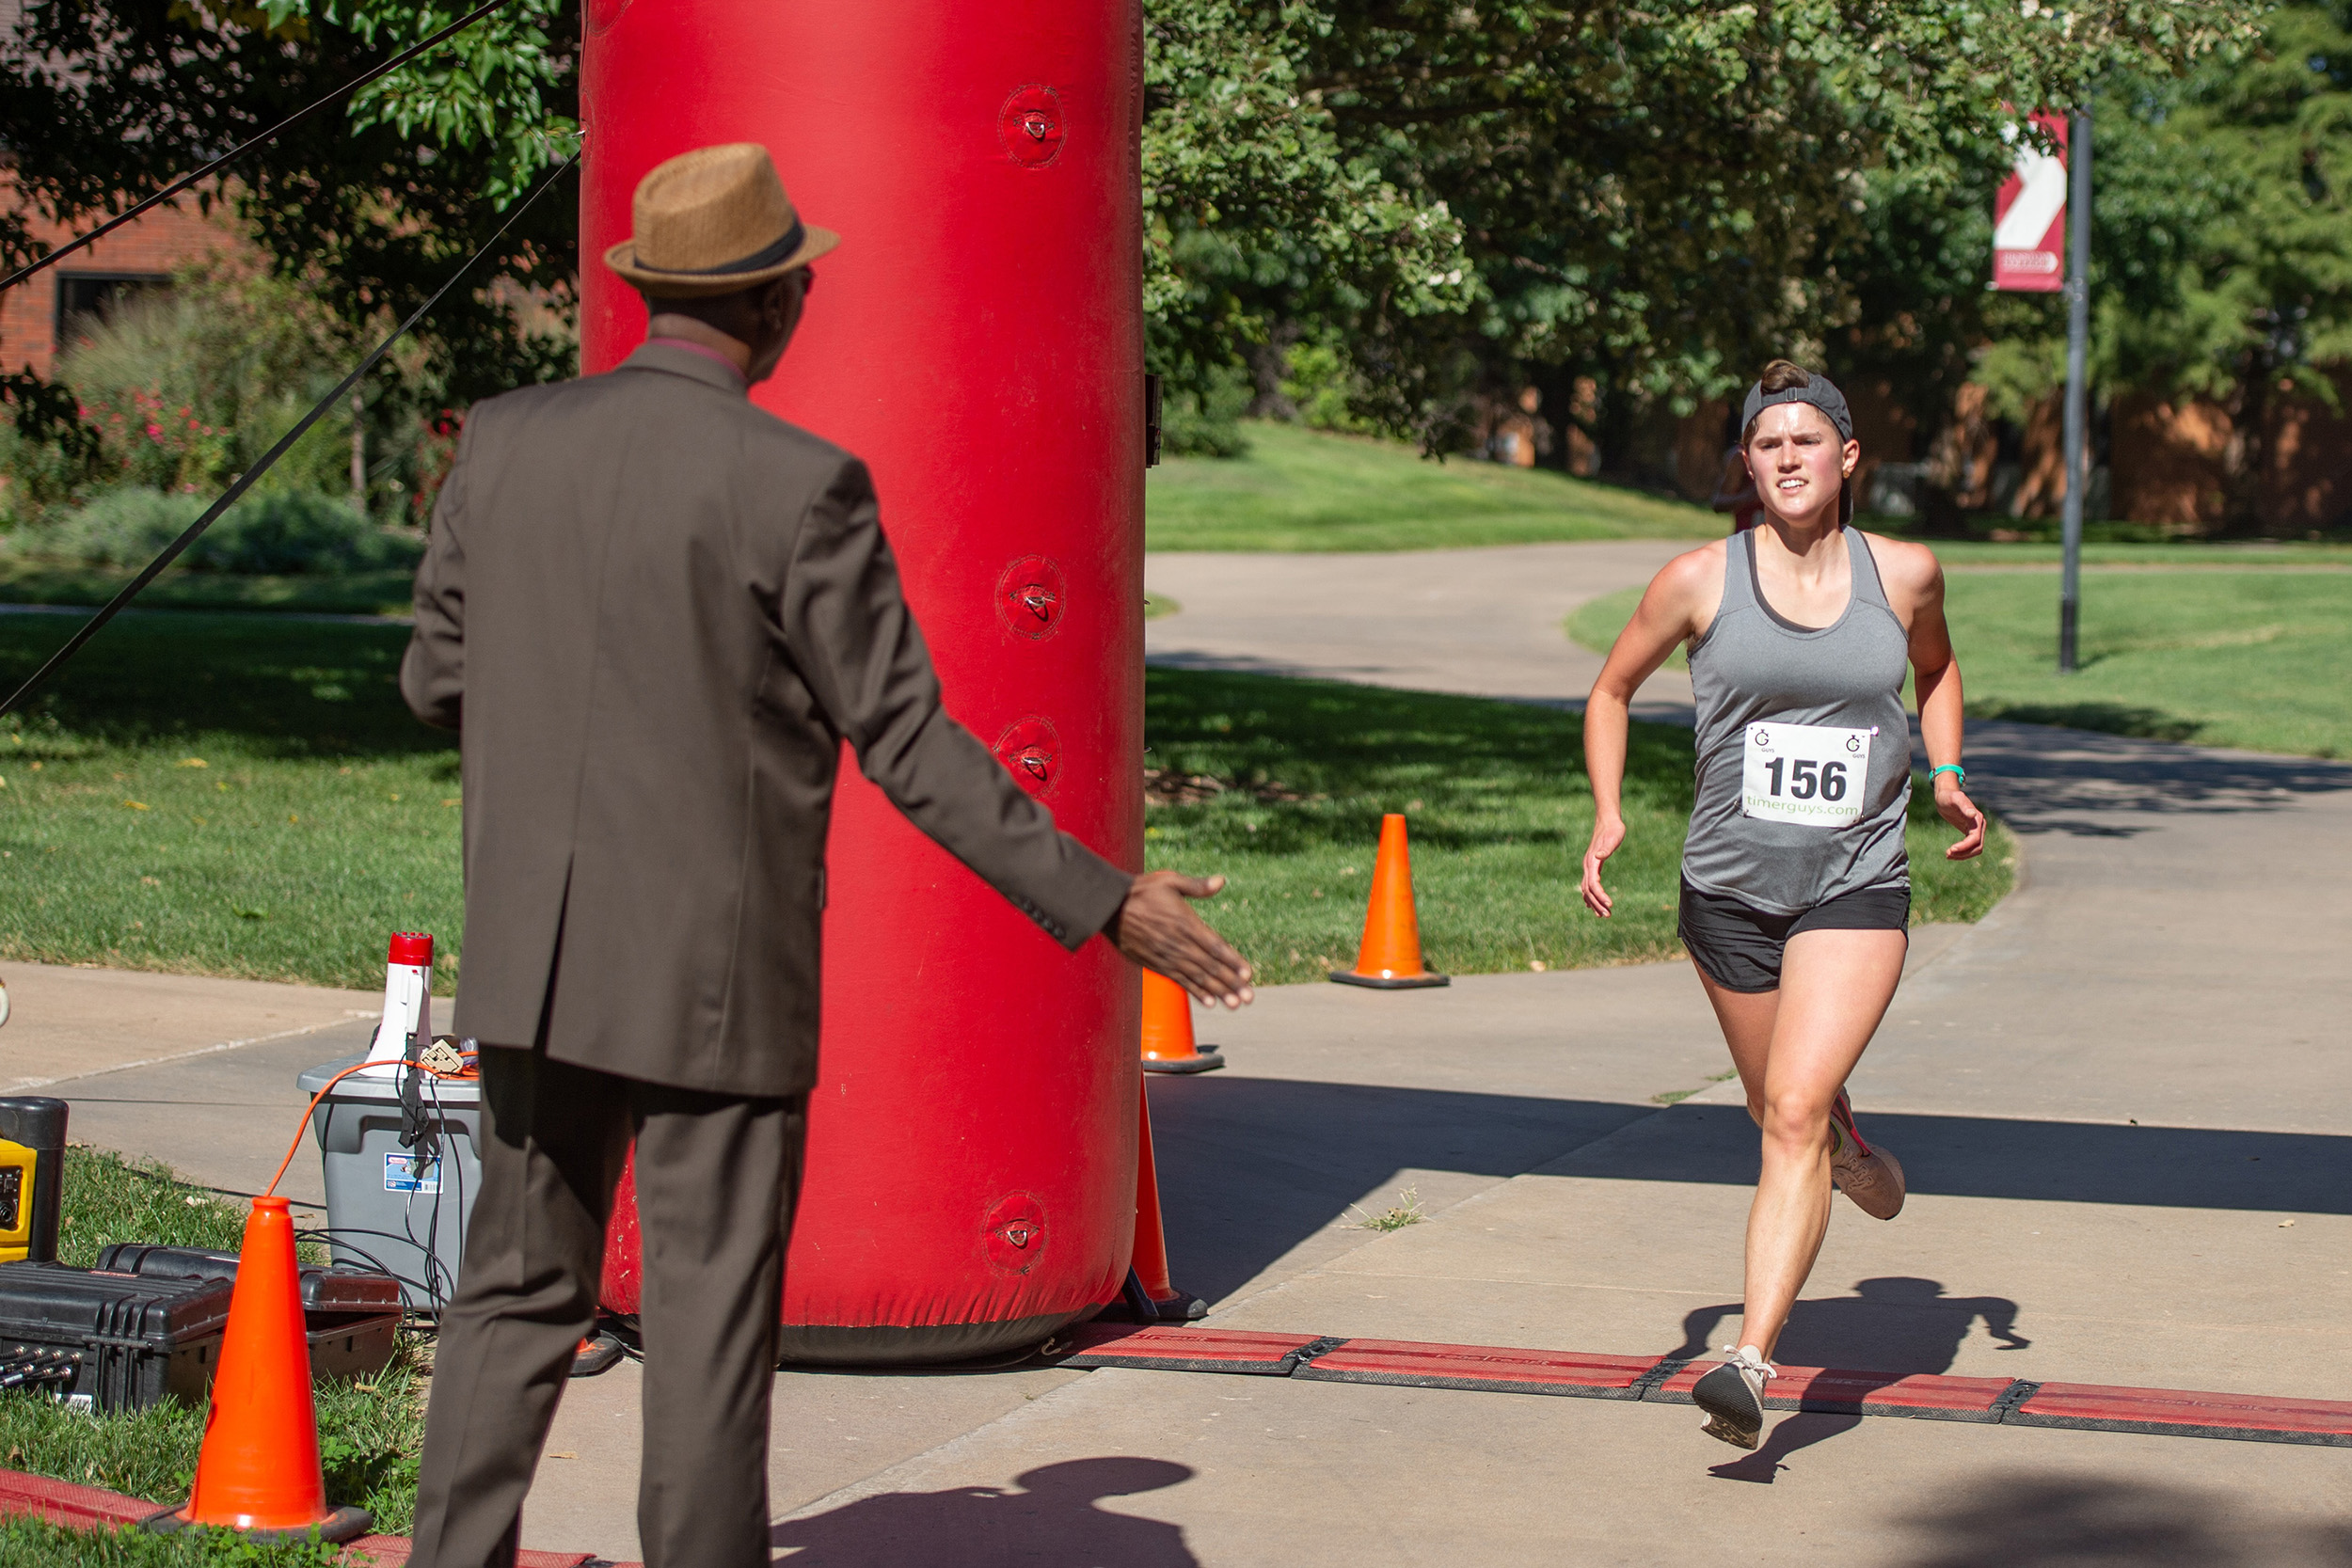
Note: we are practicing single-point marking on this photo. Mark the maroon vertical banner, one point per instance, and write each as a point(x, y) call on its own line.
point(2029, 215)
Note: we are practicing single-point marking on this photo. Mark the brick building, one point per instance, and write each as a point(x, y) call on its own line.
point(2158, 460)
point(2171, 455)
point(40, 317)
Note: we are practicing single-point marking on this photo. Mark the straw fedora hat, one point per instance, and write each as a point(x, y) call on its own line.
point(713, 221)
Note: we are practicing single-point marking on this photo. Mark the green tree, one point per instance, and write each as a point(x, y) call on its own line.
point(1430, 192)
point(2226, 210)
point(2221, 252)
point(368, 208)
point(1262, 222)
point(1657, 196)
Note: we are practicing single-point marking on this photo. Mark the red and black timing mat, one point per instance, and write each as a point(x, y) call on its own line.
point(1989, 1400)
point(1165, 1349)
point(2172, 1412)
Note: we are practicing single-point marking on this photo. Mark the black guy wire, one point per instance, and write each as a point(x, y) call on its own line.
point(243, 147)
point(245, 481)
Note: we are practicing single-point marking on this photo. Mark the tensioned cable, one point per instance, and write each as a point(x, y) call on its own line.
point(243, 147)
point(244, 481)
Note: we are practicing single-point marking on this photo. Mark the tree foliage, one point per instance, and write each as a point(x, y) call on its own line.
point(1658, 192)
point(369, 207)
point(1429, 195)
point(1260, 214)
point(2228, 214)
point(2221, 251)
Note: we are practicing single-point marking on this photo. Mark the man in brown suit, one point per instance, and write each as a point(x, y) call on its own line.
point(657, 610)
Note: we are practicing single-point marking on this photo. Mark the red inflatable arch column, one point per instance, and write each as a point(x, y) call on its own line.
point(978, 340)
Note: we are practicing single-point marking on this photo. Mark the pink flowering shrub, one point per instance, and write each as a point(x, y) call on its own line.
point(148, 438)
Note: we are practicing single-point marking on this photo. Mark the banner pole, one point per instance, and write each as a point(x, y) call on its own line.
point(2078, 388)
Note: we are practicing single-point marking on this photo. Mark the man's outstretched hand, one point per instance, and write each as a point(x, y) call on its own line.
point(1157, 928)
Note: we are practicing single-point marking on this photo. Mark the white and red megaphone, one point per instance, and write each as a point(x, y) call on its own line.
point(407, 1003)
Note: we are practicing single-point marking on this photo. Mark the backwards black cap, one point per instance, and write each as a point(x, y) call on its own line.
point(1821, 392)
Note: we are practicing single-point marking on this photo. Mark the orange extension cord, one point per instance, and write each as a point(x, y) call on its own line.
point(304, 1126)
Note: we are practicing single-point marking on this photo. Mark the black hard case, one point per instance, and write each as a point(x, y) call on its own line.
point(136, 1339)
point(352, 1315)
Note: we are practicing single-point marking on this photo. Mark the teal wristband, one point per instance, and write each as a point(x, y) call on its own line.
point(1959, 773)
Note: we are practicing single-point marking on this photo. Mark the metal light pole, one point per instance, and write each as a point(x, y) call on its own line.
point(2077, 384)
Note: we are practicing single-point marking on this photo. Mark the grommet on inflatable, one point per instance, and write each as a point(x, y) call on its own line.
point(977, 339)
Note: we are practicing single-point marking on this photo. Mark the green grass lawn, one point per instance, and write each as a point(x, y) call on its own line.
point(2108, 544)
point(1298, 489)
point(223, 795)
point(1301, 489)
point(1970, 555)
point(2221, 656)
point(1292, 777)
point(31, 1544)
point(246, 795)
point(26, 579)
point(371, 1431)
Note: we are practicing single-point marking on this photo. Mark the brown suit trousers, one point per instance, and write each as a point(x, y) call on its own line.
point(717, 1176)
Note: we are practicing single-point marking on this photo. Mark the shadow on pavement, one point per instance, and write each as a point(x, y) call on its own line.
point(2062, 1522)
point(1897, 1324)
point(220, 1119)
point(1052, 1521)
point(1249, 1168)
point(2052, 1162)
point(1799, 1429)
point(2043, 779)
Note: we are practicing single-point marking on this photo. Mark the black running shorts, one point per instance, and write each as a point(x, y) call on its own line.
point(1739, 947)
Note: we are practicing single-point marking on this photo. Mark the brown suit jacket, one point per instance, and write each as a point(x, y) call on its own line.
point(658, 610)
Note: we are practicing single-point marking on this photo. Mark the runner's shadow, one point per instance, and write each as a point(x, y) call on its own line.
point(1891, 1325)
point(1894, 1325)
point(1051, 1521)
point(1799, 1429)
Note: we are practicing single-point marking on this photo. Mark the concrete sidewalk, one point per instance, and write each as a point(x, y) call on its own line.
point(2123, 1102)
point(194, 1071)
point(69, 1022)
point(1481, 622)
point(2122, 1105)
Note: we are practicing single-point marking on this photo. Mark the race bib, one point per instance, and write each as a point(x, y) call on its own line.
point(1809, 774)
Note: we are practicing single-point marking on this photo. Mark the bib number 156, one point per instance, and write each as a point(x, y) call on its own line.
point(1811, 775)
point(1808, 777)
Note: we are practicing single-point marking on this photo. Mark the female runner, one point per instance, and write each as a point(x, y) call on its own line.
point(1795, 887)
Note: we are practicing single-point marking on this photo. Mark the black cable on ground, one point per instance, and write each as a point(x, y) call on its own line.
point(436, 1269)
point(330, 1235)
point(244, 147)
point(246, 481)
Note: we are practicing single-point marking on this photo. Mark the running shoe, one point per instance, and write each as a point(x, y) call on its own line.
point(1733, 1397)
point(1871, 1177)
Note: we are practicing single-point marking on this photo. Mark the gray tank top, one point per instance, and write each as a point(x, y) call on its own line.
point(1761, 683)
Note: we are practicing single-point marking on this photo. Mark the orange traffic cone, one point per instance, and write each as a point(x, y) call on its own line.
point(1167, 1030)
point(259, 1468)
point(1389, 957)
point(1149, 1270)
